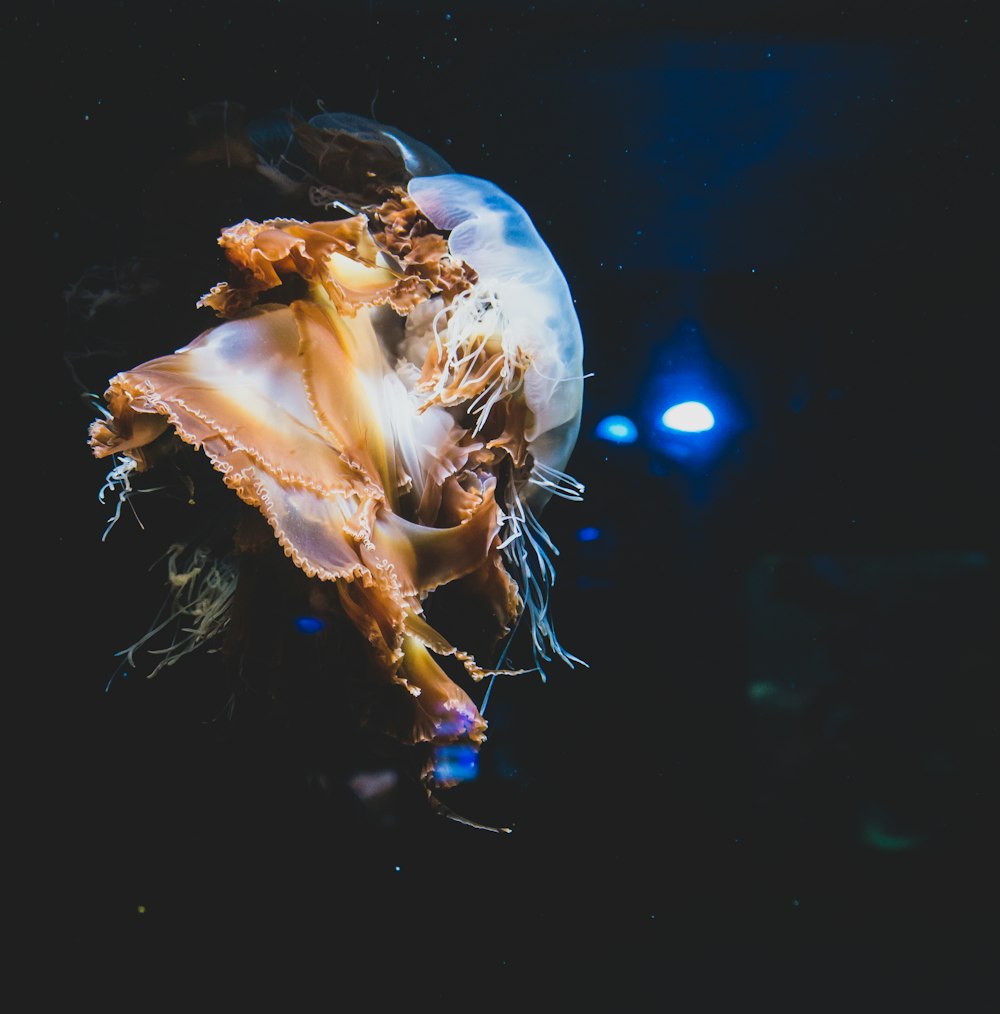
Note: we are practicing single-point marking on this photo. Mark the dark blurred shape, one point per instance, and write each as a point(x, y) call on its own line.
point(869, 690)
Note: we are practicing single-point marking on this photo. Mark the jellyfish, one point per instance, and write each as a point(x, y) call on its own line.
point(390, 391)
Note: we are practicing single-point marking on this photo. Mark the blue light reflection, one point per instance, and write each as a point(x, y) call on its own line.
point(456, 762)
point(617, 429)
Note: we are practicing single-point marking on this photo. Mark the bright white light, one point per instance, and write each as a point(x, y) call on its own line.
point(689, 417)
point(619, 429)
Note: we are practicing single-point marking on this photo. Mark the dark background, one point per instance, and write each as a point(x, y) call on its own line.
point(776, 781)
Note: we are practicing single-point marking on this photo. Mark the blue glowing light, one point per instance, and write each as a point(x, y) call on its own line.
point(309, 624)
point(683, 379)
point(456, 762)
point(688, 417)
point(618, 429)
point(588, 534)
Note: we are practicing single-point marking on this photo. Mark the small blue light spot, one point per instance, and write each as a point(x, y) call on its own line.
point(309, 624)
point(456, 762)
point(588, 534)
point(688, 417)
point(618, 429)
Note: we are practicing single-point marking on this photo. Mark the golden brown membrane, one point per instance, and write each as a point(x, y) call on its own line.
point(363, 462)
point(342, 257)
point(392, 392)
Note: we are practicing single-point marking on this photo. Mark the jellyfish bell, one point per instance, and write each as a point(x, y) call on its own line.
point(392, 391)
point(523, 292)
point(419, 158)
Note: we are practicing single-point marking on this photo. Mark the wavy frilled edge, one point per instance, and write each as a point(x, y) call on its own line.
point(407, 261)
point(401, 263)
